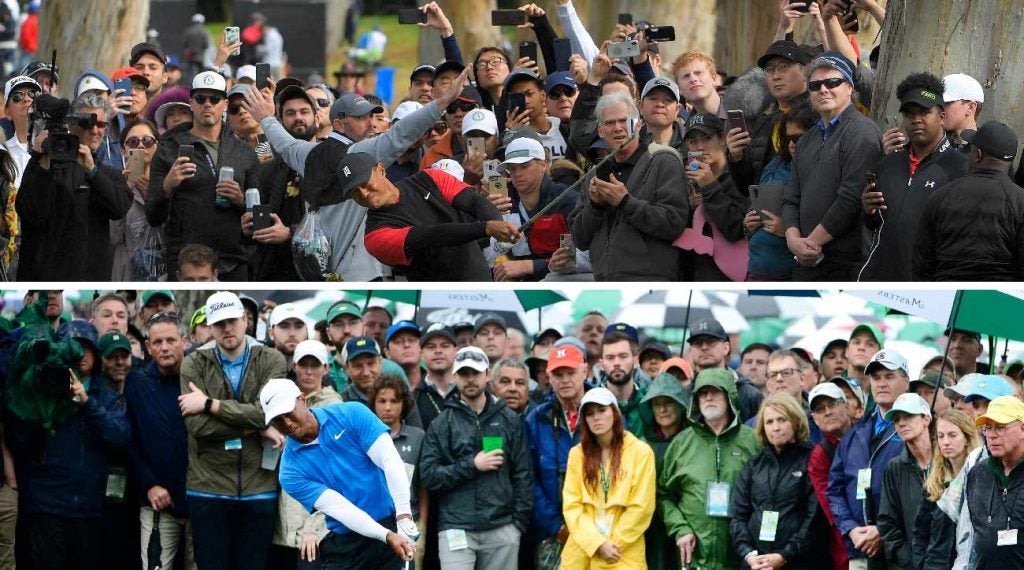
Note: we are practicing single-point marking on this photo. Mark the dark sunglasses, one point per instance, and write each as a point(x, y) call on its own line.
point(19, 96)
point(831, 83)
point(135, 142)
point(464, 106)
point(440, 127)
point(323, 103)
point(793, 138)
point(233, 109)
point(470, 355)
point(561, 90)
point(87, 124)
point(213, 99)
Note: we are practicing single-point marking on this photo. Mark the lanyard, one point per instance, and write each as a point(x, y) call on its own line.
point(606, 482)
point(209, 160)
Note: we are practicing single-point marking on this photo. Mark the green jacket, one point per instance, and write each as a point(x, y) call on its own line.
point(631, 409)
point(694, 458)
point(211, 467)
point(339, 376)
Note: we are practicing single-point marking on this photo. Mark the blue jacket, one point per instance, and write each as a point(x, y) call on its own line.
point(854, 453)
point(159, 447)
point(64, 473)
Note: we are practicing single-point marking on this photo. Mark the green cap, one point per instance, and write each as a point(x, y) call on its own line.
point(146, 296)
point(198, 318)
point(342, 308)
point(113, 341)
point(868, 327)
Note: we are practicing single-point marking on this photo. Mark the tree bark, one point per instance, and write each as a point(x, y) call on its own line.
point(471, 20)
point(90, 33)
point(430, 49)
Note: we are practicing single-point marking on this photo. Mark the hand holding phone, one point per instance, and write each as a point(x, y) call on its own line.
point(528, 50)
point(736, 120)
point(262, 75)
point(232, 35)
point(517, 102)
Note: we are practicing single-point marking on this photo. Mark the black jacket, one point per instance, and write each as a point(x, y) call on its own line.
point(989, 515)
point(971, 229)
point(430, 403)
point(65, 221)
point(934, 544)
point(278, 185)
point(780, 482)
point(902, 494)
point(892, 246)
point(750, 397)
point(470, 499)
point(189, 214)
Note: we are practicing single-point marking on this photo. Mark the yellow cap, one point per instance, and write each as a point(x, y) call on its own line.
point(1002, 410)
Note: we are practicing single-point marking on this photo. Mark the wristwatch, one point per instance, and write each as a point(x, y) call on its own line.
point(208, 405)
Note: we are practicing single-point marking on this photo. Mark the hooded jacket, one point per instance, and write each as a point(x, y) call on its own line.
point(662, 553)
point(986, 483)
point(629, 502)
point(471, 499)
point(695, 458)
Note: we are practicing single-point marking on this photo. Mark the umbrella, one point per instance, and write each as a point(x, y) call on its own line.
point(450, 307)
point(154, 550)
point(992, 312)
point(671, 309)
point(781, 307)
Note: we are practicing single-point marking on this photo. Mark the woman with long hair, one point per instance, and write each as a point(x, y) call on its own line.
point(608, 497)
point(138, 246)
point(956, 437)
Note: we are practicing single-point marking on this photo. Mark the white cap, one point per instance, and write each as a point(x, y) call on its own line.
point(600, 395)
point(854, 387)
point(278, 397)
point(471, 357)
point(90, 83)
point(246, 72)
point(17, 81)
point(210, 80)
point(480, 120)
point(523, 150)
point(284, 312)
point(890, 359)
point(198, 19)
point(909, 403)
point(451, 167)
point(313, 348)
point(827, 390)
point(223, 305)
point(962, 87)
point(405, 109)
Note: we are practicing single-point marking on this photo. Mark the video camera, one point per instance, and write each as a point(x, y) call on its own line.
point(60, 145)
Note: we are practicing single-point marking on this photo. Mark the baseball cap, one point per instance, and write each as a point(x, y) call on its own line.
point(285, 311)
point(836, 342)
point(706, 123)
point(950, 331)
point(988, 386)
point(449, 65)
point(929, 379)
point(404, 109)
point(239, 89)
point(523, 150)
point(451, 167)
point(908, 403)
point(889, 359)
point(1003, 410)
point(660, 83)
point(963, 386)
point(172, 62)
point(566, 356)
point(130, 73)
point(342, 308)
point(680, 363)
point(352, 105)
point(707, 327)
point(90, 83)
point(470, 95)
point(210, 81)
point(148, 295)
point(962, 87)
point(547, 332)
point(600, 395)
point(875, 332)
point(471, 357)
point(480, 120)
point(35, 67)
point(355, 170)
point(621, 68)
point(162, 110)
point(827, 390)
point(289, 92)
point(518, 133)
point(569, 341)
point(19, 81)
point(853, 385)
point(113, 341)
point(278, 397)
point(360, 345)
point(624, 328)
point(486, 319)
point(223, 305)
point(656, 346)
point(563, 78)
point(994, 139)
point(785, 49)
point(313, 348)
point(521, 74)
point(438, 329)
point(425, 68)
point(198, 318)
point(922, 97)
point(399, 327)
point(139, 50)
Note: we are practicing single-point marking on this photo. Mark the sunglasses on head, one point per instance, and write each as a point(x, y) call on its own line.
point(474, 356)
point(19, 96)
point(464, 106)
point(163, 317)
point(440, 127)
point(213, 99)
point(831, 83)
point(135, 142)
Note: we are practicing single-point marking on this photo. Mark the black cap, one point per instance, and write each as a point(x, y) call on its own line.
point(994, 139)
point(922, 97)
point(437, 329)
point(425, 68)
point(656, 346)
point(785, 49)
point(486, 319)
point(449, 65)
point(462, 326)
point(139, 50)
point(354, 170)
point(470, 94)
point(36, 67)
point(707, 327)
point(706, 123)
point(546, 332)
point(950, 331)
point(833, 344)
point(521, 74)
point(930, 379)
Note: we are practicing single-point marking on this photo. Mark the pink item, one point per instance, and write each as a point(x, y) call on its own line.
point(730, 256)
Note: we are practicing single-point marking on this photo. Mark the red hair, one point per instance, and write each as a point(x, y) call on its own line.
point(592, 449)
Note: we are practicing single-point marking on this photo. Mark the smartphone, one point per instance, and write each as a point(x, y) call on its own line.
point(804, 7)
point(565, 242)
point(412, 16)
point(517, 101)
point(693, 159)
point(736, 120)
point(563, 51)
point(261, 219)
point(136, 164)
point(261, 139)
point(187, 151)
point(124, 83)
point(851, 16)
point(625, 19)
point(508, 17)
point(661, 34)
point(262, 75)
point(232, 35)
point(604, 172)
point(528, 50)
point(870, 178)
point(475, 145)
point(622, 50)
point(491, 168)
point(497, 185)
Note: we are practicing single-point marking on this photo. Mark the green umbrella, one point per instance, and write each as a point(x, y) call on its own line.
point(604, 301)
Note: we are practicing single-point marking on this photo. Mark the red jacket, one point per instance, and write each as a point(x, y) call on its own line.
point(818, 466)
point(29, 40)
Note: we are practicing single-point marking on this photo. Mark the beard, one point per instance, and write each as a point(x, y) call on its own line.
point(620, 378)
point(712, 415)
point(301, 131)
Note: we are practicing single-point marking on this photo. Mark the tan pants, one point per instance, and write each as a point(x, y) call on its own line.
point(8, 520)
point(173, 532)
point(862, 564)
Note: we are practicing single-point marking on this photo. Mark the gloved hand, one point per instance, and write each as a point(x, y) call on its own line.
point(407, 528)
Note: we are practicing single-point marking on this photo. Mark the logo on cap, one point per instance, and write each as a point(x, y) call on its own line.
point(208, 80)
point(219, 306)
point(881, 355)
point(517, 154)
point(560, 353)
point(360, 342)
point(703, 327)
point(620, 327)
point(928, 94)
point(346, 172)
point(697, 120)
point(477, 116)
point(116, 337)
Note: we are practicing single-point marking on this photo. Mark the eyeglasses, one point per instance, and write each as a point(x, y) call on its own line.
point(562, 91)
point(614, 122)
point(999, 430)
point(785, 373)
point(822, 405)
point(439, 127)
point(234, 108)
point(831, 83)
point(323, 103)
point(464, 106)
point(780, 67)
point(19, 96)
point(213, 99)
point(163, 317)
point(706, 341)
point(135, 142)
point(493, 62)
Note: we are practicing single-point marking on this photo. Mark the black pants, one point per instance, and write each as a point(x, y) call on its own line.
point(64, 543)
point(352, 551)
point(232, 535)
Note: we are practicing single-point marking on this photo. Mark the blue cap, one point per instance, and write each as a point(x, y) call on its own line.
point(360, 345)
point(399, 327)
point(559, 78)
point(628, 330)
point(81, 330)
point(173, 61)
point(990, 387)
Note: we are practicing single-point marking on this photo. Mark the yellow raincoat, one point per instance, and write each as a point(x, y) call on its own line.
point(628, 509)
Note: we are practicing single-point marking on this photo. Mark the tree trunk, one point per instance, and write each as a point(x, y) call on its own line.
point(471, 20)
point(430, 49)
point(744, 31)
point(90, 33)
point(980, 39)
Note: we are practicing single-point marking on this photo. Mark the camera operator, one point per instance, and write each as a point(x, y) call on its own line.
point(67, 198)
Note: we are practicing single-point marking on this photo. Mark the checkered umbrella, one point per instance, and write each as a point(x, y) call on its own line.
point(677, 308)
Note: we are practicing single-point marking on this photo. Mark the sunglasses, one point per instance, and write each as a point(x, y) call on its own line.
point(831, 83)
point(793, 138)
point(440, 127)
point(213, 99)
point(561, 90)
point(135, 142)
point(19, 96)
point(87, 124)
point(163, 317)
point(468, 355)
point(323, 103)
point(233, 109)
point(464, 106)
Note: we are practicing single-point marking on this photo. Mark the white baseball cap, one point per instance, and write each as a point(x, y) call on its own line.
point(223, 305)
point(90, 83)
point(853, 385)
point(962, 87)
point(284, 312)
point(480, 120)
point(313, 348)
point(404, 109)
point(451, 167)
point(523, 150)
point(210, 81)
point(277, 397)
point(909, 403)
point(15, 82)
point(246, 72)
point(826, 390)
point(600, 395)
point(890, 359)
point(471, 357)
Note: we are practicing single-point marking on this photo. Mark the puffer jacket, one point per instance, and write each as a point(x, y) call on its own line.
point(629, 502)
point(779, 481)
point(694, 458)
point(633, 242)
point(902, 495)
point(211, 468)
point(989, 515)
point(662, 553)
point(470, 499)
